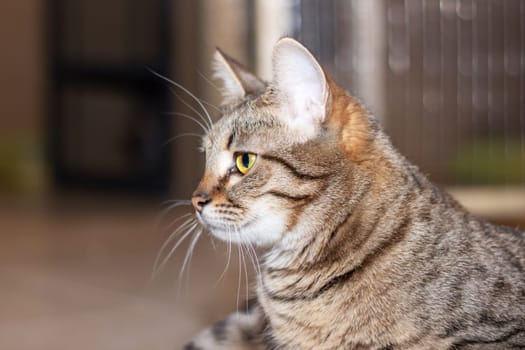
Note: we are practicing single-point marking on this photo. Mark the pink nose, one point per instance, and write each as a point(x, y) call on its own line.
point(200, 200)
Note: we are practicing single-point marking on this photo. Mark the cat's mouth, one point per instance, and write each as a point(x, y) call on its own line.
point(225, 230)
point(261, 229)
point(213, 223)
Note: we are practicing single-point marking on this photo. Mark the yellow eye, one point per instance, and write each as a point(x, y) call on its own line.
point(244, 162)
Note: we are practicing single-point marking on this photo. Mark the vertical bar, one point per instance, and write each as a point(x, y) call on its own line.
point(334, 13)
point(505, 105)
point(407, 97)
point(442, 141)
point(424, 122)
point(465, 15)
point(274, 19)
point(458, 82)
point(475, 72)
point(490, 85)
point(250, 24)
point(368, 36)
point(522, 85)
point(432, 92)
point(448, 86)
point(55, 124)
point(414, 16)
point(396, 68)
point(166, 40)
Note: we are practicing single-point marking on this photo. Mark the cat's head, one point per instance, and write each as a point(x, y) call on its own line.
point(281, 157)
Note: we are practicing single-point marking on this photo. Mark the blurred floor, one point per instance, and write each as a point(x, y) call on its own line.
point(78, 277)
point(75, 274)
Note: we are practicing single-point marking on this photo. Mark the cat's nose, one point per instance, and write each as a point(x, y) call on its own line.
point(199, 200)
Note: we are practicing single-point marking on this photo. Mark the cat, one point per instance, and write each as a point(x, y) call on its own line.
point(360, 250)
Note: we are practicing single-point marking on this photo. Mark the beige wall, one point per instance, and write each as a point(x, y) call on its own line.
point(22, 66)
point(186, 163)
point(223, 25)
point(199, 27)
point(22, 89)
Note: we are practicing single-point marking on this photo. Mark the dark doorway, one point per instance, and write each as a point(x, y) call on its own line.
point(108, 113)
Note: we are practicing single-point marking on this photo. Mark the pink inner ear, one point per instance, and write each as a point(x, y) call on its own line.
point(231, 87)
point(302, 87)
point(236, 79)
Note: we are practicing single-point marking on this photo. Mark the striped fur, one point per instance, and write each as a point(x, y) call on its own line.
point(361, 251)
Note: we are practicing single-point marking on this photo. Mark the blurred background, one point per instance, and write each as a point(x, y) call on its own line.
point(93, 146)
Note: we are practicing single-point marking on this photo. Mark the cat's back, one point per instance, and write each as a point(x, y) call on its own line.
point(466, 282)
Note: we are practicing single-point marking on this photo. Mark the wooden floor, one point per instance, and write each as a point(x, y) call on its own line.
point(78, 277)
point(75, 274)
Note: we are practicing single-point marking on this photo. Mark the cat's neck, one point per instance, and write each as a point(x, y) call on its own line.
point(375, 214)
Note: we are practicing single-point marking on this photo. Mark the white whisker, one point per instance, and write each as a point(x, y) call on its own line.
point(171, 139)
point(239, 278)
point(184, 115)
point(209, 104)
point(203, 119)
point(245, 274)
point(212, 84)
point(165, 211)
point(253, 257)
point(159, 267)
point(174, 204)
point(229, 250)
point(186, 91)
point(184, 225)
point(175, 201)
point(189, 254)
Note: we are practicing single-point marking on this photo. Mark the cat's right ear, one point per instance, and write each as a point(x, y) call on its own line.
point(237, 81)
point(301, 86)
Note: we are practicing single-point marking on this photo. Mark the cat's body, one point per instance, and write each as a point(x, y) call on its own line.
point(362, 251)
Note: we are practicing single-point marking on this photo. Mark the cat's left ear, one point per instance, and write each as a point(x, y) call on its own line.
point(237, 81)
point(301, 85)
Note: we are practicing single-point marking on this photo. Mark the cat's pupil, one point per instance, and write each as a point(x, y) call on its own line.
point(245, 160)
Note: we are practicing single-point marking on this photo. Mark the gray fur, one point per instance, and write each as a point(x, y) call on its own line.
point(373, 256)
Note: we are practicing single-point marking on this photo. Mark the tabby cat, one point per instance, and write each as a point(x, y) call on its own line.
point(360, 250)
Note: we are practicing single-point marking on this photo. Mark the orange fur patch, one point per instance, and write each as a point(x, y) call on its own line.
point(351, 121)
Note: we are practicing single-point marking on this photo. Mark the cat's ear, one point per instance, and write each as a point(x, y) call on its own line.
point(301, 86)
point(237, 81)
